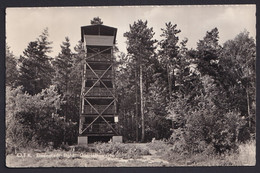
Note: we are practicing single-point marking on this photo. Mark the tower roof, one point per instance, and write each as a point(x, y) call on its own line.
point(98, 29)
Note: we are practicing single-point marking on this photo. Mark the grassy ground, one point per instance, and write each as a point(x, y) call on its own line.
point(156, 154)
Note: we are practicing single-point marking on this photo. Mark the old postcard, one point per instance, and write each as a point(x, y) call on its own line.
point(131, 86)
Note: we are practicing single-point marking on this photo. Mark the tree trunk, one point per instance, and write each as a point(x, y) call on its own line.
point(132, 124)
point(124, 122)
point(169, 81)
point(136, 104)
point(35, 81)
point(142, 103)
point(66, 109)
point(248, 107)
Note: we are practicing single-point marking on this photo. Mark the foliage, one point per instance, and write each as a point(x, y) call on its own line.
point(207, 53)
point(238, 62)
point(202, 110)
point(140, 39)
point(169, 45)
point(11, 69)
point(124, 83)
point(14, 129)
point(202, 122)
point(200, 100)
point(32, 120)
point(96, 21)
point(62, 65)
point(35, 71)
point(168, 53)
point(140, 47)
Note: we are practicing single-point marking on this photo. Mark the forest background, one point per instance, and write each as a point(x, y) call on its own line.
point(192, 98)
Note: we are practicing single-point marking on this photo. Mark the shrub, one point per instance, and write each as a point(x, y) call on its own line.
point(65, 147)
point(158, 145)
point(205, 120)
point(177, 140)
point(32, 120)
point(82, 148)
point(216, 133)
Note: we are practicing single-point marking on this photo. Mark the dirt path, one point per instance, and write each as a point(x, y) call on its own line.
point(154, 158)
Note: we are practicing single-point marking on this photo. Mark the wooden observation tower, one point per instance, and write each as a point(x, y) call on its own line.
point(98, 112)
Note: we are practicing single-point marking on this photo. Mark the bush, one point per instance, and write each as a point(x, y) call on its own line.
point(32, 120)
point(82, 148)
point(177, 140)
point(158, 145)
point(218, 133)
point(205, 120)
point(65, 147)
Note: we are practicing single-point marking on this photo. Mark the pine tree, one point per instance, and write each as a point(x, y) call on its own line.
point(169, 51)
point(35, 71)
point(96, 21)
point(125, 89)
point(140, 46)
point(62, 66)
point(208, 53)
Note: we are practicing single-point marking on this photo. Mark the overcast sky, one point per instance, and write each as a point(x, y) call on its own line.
point(26, 24)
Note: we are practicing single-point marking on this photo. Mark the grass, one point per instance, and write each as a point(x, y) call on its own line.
point(245, 156)
point(156, 153)
point(126, 151)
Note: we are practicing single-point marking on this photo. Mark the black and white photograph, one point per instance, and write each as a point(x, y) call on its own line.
point(130, 86)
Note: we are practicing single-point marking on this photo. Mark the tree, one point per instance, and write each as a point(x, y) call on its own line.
point(125, 89)
point(211, 99)
point(75, 84)
point(238, 64)
point(174, 63)
point(35, 71)
point(169, 51)
point(140, 47)
point(62, 66)
point(14, 130)
point(11, 69)
point(96, 21)
point(32, 120)
point(158, 126)
point(207, 53)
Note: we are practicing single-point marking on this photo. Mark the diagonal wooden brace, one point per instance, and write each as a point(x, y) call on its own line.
point(99, 115)
point(109, 125)
point(97, 53)
point(99, 79)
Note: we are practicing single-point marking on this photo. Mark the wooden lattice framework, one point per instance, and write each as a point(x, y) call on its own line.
point(98, 100)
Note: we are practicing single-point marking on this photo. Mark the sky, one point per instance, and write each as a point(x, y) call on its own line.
point(26, 24)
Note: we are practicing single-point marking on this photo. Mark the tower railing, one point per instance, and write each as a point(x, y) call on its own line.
point(99, 57)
